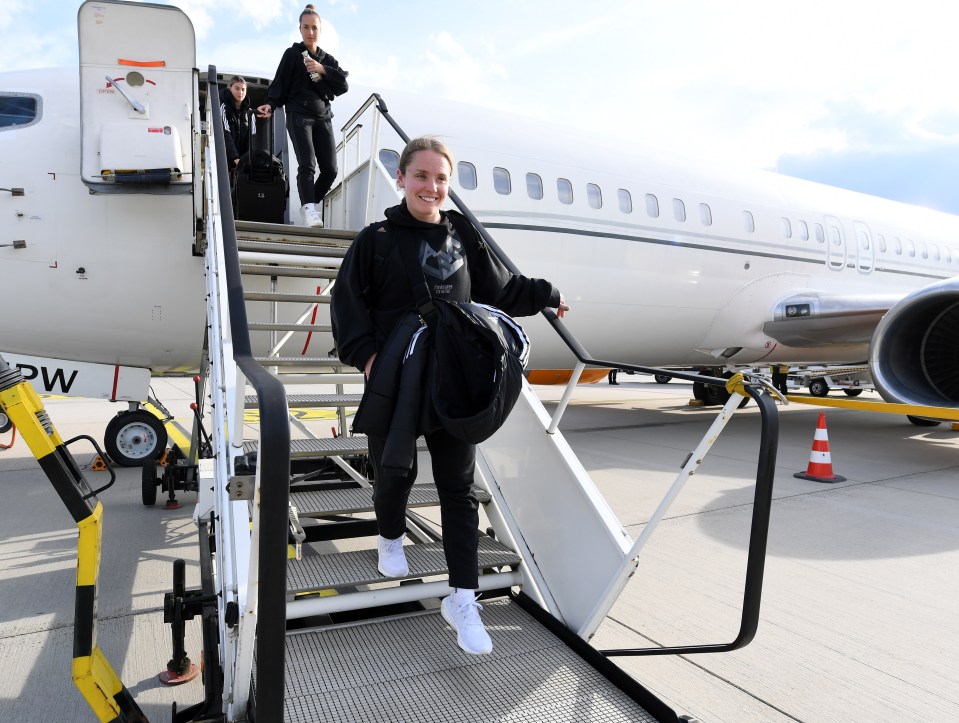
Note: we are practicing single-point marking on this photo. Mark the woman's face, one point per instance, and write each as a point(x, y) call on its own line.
point(425, 184)
point(239, 92)
point(310, 30)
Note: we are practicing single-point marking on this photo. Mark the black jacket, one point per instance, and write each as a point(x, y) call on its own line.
point(237, 125)
point(372, 289)
point(293, 88)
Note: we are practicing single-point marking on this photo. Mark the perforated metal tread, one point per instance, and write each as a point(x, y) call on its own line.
point(349, 569)
point(297, 234)
point(356, 499)
point(324, 447)
point(313, 400)
point(310, 361)
point(285, 297)
point(410, 669)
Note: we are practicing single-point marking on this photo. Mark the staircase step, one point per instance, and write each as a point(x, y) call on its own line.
point(318, 503)
point(300, 249)
point(322, 447)
point(285, 297)
point(320, 378)
point(287, 271)
point(300, 401)
point(298, 234)
point(306, 361)
point(264, 326)
point(351, 569)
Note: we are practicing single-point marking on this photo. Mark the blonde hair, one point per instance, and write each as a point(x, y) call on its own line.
point(424, 143)
point(310, 10)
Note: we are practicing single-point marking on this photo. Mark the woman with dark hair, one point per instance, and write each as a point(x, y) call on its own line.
point(372, 295)
point(305, 83)
point(238, 124)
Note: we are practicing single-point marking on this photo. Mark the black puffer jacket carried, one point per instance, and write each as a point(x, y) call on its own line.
point(237, 125)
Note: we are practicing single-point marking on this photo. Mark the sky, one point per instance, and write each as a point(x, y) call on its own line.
point(854, 93)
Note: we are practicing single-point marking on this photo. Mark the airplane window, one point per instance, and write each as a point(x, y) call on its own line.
point(882, 242)
point(501, 182)
point(946, 254)
point(910, 247)
point(935, 252)
point(705, 214)
point(835, 238)
point(787, 228)
point(652, 205)
point(18, 109)
point(897, 244)
point(749, 221)
point(565, 190)
point(863, 240)
point(534, 186)
point(923, 250)
point(466, 173)
point(679, 209)
point(625, 201)
point(390, 160)
point(594, 196)
point(803, 231)
point(820, 234)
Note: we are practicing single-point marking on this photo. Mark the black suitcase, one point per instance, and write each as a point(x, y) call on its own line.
point(261, 187)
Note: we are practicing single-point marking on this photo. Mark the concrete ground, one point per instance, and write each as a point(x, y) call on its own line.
point(858, 618)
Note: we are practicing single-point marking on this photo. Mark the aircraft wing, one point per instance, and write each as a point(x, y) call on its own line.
point(812, 320)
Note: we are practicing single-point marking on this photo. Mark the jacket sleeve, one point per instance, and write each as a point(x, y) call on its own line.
point(353, 328)
point(231, 153)
point(278, 92)
point(333, 82)
point(492, 283)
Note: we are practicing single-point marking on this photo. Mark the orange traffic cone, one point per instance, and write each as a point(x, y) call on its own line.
point(819, 468)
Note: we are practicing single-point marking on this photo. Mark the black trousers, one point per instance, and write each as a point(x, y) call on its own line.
point(453, 465)
point(313, 143)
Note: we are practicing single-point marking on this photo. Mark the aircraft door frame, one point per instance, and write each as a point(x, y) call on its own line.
point(835, 243)
point(865, 248)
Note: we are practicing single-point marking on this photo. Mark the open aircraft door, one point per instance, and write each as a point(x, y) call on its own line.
point(138, 97)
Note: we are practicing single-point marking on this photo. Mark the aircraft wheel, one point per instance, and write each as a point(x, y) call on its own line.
point(148, 489)
point(662, 378)
point(818, 387)
point(132, 438)
point(922, 421)
point(5, 422)
point(852, 392)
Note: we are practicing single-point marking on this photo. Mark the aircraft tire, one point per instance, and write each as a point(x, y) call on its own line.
point(818, 387)
point(5, 422)
point(662, 378)
point(148, 489)
point(134, 437)
point(852, 392)
point(922, 421)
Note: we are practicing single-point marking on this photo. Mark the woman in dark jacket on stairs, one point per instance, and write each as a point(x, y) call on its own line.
point(371, 294)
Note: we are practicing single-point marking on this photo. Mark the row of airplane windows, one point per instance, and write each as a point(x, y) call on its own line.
point(467, 178)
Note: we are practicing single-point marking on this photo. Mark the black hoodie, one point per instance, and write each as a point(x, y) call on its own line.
point(236, 125)
point(373, 290)
point(293, 88)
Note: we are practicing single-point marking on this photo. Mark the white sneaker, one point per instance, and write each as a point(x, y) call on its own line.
point(392, 559)
point(311, 216)
point(461, 611)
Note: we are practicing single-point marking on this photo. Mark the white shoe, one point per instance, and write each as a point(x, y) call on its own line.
point(311, 216)
point(392, 559)
point(461, 611)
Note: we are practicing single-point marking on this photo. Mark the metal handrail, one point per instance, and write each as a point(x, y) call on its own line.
point(769, 441)
point(273, 460)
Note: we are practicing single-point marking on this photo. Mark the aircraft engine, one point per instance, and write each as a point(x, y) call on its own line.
point(914, 353)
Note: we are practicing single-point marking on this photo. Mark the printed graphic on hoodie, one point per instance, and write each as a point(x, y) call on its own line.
point(445, 262)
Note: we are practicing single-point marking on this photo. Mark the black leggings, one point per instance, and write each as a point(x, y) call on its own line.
point(453, 464)
point(313, 143)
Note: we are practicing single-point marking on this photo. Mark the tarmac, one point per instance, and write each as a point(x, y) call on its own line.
point(859, 614)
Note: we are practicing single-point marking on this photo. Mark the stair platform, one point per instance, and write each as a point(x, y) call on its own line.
point(322, 447)
point(299, 401)
point(351, 569)
point(318, 503)
point(409, 668)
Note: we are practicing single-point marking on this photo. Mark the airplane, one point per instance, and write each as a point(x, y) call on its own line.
point(666, 262)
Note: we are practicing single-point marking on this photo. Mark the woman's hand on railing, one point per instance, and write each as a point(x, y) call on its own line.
point(562, 308)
